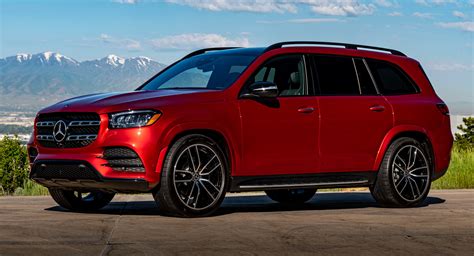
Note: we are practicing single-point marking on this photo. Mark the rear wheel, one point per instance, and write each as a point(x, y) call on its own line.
point(81, 201)
point(404, 177)
point(291, 196)
point(194, 178)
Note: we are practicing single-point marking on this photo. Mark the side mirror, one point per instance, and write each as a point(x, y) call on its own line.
point(262, 90)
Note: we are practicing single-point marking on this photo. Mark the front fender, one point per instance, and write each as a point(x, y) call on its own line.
point(170, 134)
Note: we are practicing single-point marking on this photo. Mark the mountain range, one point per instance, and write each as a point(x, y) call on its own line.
point(40, 79)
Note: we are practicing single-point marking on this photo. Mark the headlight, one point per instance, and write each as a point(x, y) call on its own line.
point(129, 119)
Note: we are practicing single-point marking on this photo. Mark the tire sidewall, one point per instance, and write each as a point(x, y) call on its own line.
point(396, 147)
point(168, 173)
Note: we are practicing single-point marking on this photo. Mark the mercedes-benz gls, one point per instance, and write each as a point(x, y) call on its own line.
point(286, 119)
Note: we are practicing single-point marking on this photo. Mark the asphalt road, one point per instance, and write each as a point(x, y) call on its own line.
point(332, 223)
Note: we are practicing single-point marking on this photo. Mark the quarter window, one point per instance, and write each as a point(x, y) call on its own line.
point(390, 79)
point(336, 75)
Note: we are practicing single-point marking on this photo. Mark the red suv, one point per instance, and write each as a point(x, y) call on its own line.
point(287, 119)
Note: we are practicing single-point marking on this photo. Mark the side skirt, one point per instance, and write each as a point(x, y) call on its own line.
point(319, 180)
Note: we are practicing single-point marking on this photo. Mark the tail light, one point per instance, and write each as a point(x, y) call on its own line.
point(443, 108)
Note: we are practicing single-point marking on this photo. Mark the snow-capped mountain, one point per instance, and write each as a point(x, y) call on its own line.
point(138, 64)
point(52, 76)
point(43, 59)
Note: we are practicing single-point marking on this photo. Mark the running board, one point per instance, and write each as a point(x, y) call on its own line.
point(322, 180)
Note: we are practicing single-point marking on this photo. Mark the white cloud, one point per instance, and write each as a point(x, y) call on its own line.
point(435, 2)
point(423, 15)
point(421, 2)
point(339, 7)
point(450, 67)
point(128, 44)
point(459, 14)
point(125, 1)
point(465, 26)
point(395, 14)
point(301, 21)
point(385, 3)
point(197, 40)
point(325, 7)
point(239, 5)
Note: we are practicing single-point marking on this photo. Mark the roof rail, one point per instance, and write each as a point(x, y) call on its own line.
point(347, 46)
point(201, 51)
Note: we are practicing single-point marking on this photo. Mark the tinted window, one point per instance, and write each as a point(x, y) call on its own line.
point(365, 82)
point(287, 72)
point(390, 79)
point(208, 71)
point(336, 75)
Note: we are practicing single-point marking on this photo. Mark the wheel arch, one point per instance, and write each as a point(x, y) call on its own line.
point(410, 131)
point(215, 134)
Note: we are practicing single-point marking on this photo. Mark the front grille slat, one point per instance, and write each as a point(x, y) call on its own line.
point(82, 130)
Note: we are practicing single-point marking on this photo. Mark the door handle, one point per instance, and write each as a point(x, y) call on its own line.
point(306, 110)
point(377, 108)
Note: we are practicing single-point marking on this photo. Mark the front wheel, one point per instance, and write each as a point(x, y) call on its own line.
point(404, 177)
point(194, 177)
point(291, 196)
point(80, 201)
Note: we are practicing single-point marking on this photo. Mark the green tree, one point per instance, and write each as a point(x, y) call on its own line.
point(13, 164)
point(465, 139)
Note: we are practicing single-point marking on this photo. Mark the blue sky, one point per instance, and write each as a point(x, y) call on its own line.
point(439, 33)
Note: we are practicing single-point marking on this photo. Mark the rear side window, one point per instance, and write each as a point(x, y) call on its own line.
point(390, 79)
point(366, 84)
point(336, 75)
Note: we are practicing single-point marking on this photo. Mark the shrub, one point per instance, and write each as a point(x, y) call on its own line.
point(465, 139)
point(13, 164)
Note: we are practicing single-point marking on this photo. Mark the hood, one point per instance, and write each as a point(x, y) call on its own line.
point(117, 101)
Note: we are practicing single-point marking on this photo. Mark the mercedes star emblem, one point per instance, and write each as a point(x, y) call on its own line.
point(59, 131)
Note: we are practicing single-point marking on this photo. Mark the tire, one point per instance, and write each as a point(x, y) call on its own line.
point(75, 201)
point(404, 177)
point(194, 178)
point(291, 196)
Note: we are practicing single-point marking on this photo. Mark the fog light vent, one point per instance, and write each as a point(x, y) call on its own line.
point(123, 159)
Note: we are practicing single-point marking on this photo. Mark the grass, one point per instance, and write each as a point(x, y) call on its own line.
point(460, 174)
point(31, 188)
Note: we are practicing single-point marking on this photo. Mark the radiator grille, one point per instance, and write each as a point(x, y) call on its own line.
point(82, 129)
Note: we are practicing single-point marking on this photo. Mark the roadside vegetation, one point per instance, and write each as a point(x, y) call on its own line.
point(461, 169)
point(14, 167)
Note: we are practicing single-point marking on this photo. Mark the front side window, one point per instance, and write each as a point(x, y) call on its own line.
point(390, 79)
point(205, 71)
point(336, 75)
point(287, 72)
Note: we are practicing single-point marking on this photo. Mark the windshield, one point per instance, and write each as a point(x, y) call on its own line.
point(206, 71)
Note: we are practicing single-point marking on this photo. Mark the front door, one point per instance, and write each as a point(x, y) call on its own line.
point(279, 136)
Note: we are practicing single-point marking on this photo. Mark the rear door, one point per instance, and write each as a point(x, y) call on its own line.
point(279, 135)
point(354, 117)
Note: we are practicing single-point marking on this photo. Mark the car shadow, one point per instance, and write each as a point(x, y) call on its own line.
point(257, 203)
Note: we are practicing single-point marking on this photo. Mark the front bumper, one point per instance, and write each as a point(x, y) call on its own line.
point(144, 141)
point(81, 176)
